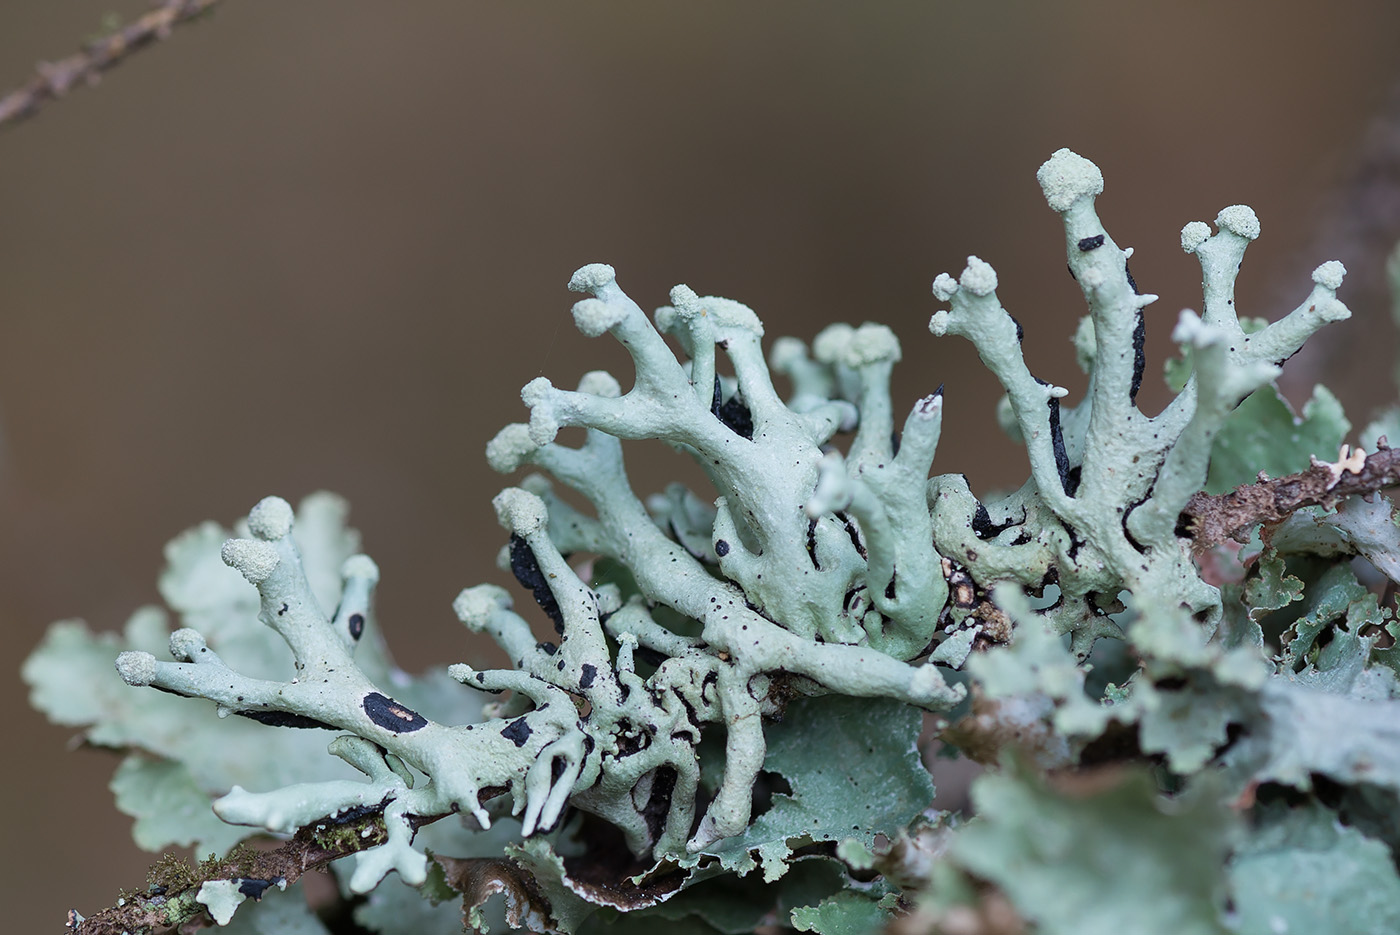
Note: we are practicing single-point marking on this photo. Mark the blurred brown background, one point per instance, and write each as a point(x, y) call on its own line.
point(322, 245)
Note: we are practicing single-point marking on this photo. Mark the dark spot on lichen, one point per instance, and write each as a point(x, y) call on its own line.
point(392, 716)
point(732, 412)
point(1126, 533)
point(852, 532)
point(983, 526)
point(357, 625)
point(517, 732)
point(526, 569)
point(1091, 243)
point(283, 610)
point(1139, 354)
point(721, 548)
point(548, 649)
point(286, 719)
point(588, 673)
point(1057, 442)
point(1075, 543)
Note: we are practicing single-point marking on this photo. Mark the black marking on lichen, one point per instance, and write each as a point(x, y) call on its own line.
point(256, 888)
point(283, 610)
point(894, 443)
point(1020, 332)
point(679, 540)
point(721, 548)
point(1139, 354)
point(1128, 535)
point(658, 805)
point(651, 657)
point(517, 732)
point(733, 413)
point(812, 543)
point(983, 526)
point(356, 812)
point(548, 649)
point(392, 716)
point(1071, 272)
point(1075, 542)
point(889, 588)
point(526, 569)
point(1131, 282)
point(1091, 243)
point(286, 719)
point(589, 673)
point(356, 623)
point(852, 532)
point(1057, 442)
point(982, 522)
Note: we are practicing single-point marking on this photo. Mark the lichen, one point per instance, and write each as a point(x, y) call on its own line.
point(736, 681)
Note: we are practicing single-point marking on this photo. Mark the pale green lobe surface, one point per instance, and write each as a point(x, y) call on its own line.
point(190, 755)
point(1188, 726)
point(434, 908)
point(222, 898)
point(170, 808)
point(394, 906)
point(1119, 860)
point(1303, 872)
point(854, 771)
point(277, 914)
point(846, 913)
point(1263, 434)
point(1305, 731)
point(74, 683)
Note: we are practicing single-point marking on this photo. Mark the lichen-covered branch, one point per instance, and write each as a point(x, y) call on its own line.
point(179, 893)
point(1213, 519)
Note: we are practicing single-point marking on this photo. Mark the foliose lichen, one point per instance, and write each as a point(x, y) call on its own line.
point(735, 681)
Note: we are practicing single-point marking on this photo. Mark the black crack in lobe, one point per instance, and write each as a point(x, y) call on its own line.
point(1068, 480)
point(732, 412)
point(286, 719)
point(1139, 340)
point(526, 569)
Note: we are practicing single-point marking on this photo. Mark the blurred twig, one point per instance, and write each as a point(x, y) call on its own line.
point(54, 79)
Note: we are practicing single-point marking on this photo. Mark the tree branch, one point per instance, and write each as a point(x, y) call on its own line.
point(54, 79)
point(1209, 520)
point(171, 899)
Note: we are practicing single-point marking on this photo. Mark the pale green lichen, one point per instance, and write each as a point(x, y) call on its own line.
point(772, 643)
